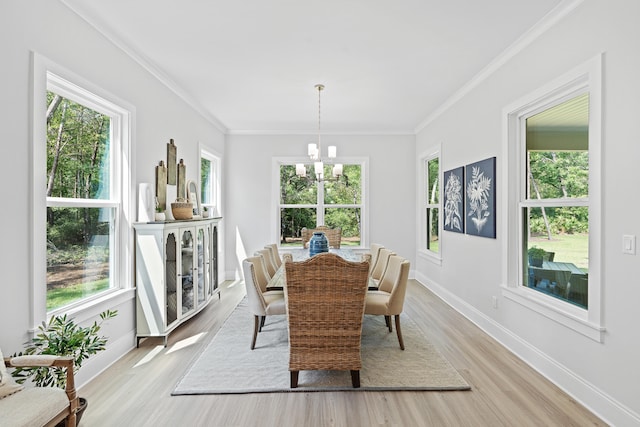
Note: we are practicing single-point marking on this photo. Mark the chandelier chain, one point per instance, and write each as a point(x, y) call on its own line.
point(320, 87)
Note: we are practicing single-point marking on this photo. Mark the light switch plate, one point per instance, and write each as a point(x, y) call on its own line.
point(629, 244)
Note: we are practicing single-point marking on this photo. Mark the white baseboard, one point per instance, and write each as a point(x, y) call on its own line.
point(597, 401)
point(99, 362)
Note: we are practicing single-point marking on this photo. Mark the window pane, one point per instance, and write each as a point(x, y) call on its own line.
point(558, 174)
point(558, 150)
point(292, 220)
point(432, 181)
point(206, 179)
point(349, 220)
point(79, 255)
point(345, 191)
point(78, 141)
point(557, 258)
point(433, 240)
point(296, 190)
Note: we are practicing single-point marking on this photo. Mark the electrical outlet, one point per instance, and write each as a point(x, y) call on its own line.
point(495, 302)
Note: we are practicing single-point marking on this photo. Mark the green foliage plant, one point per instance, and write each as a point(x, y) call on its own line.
point(62, 337)
point(536, 252)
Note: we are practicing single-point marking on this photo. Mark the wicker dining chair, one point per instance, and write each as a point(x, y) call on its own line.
point(388, 300)
point(334, 235)
point(325, 306)
point(261, 302)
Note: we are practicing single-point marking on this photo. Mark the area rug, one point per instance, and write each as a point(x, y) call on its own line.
point(228, 365)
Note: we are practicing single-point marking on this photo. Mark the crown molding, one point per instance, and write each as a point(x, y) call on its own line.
point(547, 21)
point(147, 64)
point(323, 133)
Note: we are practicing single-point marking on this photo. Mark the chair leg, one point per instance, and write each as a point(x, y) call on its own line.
point(355, 379)
point(387, 320)
point(256, 326)
point(399, 332)
point(262, 320)
point(294, 379)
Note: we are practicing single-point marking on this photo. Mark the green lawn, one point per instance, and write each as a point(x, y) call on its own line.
point(568, 248)
point(59, 297)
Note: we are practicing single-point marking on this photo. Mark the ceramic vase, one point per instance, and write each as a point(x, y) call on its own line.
point(318, 243)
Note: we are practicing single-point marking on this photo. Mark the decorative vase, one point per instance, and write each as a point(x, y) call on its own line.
point(318, 243)
point(160, 216)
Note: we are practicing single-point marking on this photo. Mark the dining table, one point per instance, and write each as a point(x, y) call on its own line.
point(279, 280)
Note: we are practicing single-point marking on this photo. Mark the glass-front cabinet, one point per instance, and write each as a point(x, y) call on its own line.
point(185, 252)
point(188, 256)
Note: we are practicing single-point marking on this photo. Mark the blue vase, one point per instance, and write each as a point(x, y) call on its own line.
point(318, 243)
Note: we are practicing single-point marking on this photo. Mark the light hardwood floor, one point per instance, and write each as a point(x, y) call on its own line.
point(136, 390)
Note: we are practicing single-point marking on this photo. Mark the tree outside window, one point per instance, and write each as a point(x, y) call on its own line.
point(304, 202)
point(556, 207)
point(432, 204)
point(82, 201)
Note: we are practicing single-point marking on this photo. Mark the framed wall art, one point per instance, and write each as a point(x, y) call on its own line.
point(454, 200)
point(480, 200)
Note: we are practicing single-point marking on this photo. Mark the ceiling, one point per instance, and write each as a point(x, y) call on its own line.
point(251, 66)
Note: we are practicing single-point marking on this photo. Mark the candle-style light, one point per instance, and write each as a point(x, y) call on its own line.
point(314, 151)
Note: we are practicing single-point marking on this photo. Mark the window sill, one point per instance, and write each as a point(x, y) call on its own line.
point(91, 309)
point(430, 256)
point(572, 317)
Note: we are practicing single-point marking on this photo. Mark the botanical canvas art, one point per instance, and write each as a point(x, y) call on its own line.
point(454, 200)
point(480, 205)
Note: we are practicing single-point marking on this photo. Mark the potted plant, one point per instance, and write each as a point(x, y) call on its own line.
point(536, 256)
point(159, 214)
point(205, 212)
point(63, 337)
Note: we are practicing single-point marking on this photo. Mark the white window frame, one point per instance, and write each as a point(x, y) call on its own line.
point(423, 189)
point(364, 201)
point(584, 78)
point(216, 164)
point(47, 75)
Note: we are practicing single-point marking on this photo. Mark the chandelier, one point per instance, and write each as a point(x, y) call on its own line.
point(315, 154)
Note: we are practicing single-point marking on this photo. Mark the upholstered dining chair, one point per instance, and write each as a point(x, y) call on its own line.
point(261, 276)
point(381, 264)
point(261, 303)
point(268, 261)
point(388, 300)
point(325, 305)
point(374, 250)
point(37, 406)
point(275, 255)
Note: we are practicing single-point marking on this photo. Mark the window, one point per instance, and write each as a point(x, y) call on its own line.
point(555, 209)
point(210, 182)
point(304, 202)
point(554, 155)
point(430, 223)
point(84, 203)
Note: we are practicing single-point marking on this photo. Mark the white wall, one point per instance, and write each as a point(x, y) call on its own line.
point(249, 210)
point(49, 28)
point(604, 376)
